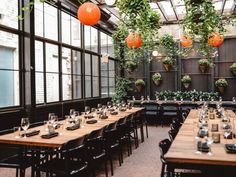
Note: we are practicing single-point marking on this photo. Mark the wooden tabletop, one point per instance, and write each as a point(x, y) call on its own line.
point(183, 147)
point(65, 135)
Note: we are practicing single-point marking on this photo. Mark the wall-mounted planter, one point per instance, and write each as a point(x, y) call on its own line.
point(203, 68)
point(186, 85)
point(167, 67)
point(157, 82)
point(139, 88)
point(221, 90)
point(234, 73)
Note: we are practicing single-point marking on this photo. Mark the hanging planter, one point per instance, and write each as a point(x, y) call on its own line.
point(221, 84)
point(203, 65)
point(168, 63)
point(157, 78)
point(89, 14)
point(134, 40)
point(186, 41)
point(139, 84)
point(186, 80)
point(215, 40)
point(233, 69)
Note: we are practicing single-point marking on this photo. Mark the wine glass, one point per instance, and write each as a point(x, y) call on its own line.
point(25, 125)
point(133, 98)
point(87, 110)
point(142, 98)
point(72, 113)
point(157, 98)
point(109, 104)
point(148, 98)
point(99, 107)
point(94, 112)
point(51, 117)
point(234, 99)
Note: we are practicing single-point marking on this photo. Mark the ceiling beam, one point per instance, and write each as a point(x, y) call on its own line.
point(162, 11)
point(223, 7)
point(172, 5)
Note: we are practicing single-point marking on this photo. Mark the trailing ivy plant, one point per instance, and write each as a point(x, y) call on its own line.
point(201, 21)
point(123, 86)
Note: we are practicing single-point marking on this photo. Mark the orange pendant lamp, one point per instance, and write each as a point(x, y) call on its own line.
point(134, 40)
point(186, 41)
point(89, 14)
point(215, 40)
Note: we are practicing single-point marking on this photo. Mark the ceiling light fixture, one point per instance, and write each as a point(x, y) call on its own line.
point(110, 2)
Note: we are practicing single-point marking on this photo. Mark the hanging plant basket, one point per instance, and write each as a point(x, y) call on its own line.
point(167, 67)
point(203, 68)
point(221, 90)
point(139, 88)
point(157, 82)
point(186, 85)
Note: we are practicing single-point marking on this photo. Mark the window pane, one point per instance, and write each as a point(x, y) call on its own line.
point(87, 86)
point(111, 68)
point(104, 86)
point(38, 15)
point(9, 88)
point(76, 32)
point(103, 43)
point(66, 87)
point(9, 53)
point(95, 66)
point(94, 39)
point(87, 64)
point(66, 61)
point(95, 86)
point(38, 56)
point(9, 12)
point(52, 87)
point(110, 47)
point(87, 37)
point(39, 81)
point(51, 26)
point(66, 28)
point(76, 62)
point(104, 70)
point(77, 87)
point(51, 58)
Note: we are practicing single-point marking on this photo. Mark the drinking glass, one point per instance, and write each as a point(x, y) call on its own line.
point(109, 104)
point(148, 98)
point(196, 138)
point(94, 112)
point(87, 110)
point(25, 125)
point(142, 98)
point(72, 113)
point(67, 119)
point(209, 143)
point(51, 117)
point(133, 98)
point(99, 107)
point(234, 99)
point(157, 98)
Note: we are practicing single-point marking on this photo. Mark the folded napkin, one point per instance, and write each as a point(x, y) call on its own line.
point(230, 148)
point(111, 109)
point(91, 121)
point(49, 135)
point(214, 128)
point(203, 147)
point(216, 137)
point(89, 117)
point(31, 133)
point(114, 113)
point(202, 133)
point(73, 127)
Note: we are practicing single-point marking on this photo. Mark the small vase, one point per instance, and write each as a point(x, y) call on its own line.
point(221, 90)
point(139, 88)
point(167, 67)
point(157, 82)
point(186, 85)
point(202, 68)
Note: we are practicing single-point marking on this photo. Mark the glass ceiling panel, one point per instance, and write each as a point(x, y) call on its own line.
point(229, 6)
point(153, 5)
point(178, 2)
point(218, 5)
point(181, 11)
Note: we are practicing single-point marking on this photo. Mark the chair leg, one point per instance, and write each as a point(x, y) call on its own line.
point(17, 171)
point(162, 170)
point(106, 171)
point(119, 156)
point(146, 130)
point(22, 172)
point(111, 164)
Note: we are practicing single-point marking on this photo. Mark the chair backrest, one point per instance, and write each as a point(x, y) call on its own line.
point(74, 148)
point(94, 141)
point(170, 106)
point(137, 104)
point(172, 134)
point(164, 146)
point(150, 106)
point(111, 126)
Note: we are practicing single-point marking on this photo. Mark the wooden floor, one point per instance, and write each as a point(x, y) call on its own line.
point(144, 162)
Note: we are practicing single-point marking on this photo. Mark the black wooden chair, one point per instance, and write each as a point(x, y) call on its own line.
point(152, 111)
point(164, 146)
point(71, 161)
point(14, 157)
point(172, 134)
point(169, 111)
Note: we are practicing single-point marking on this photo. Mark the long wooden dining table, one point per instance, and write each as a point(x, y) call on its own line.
point(65, 135)
point(183, 149)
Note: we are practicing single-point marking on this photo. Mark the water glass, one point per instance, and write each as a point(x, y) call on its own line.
point(209, 143)
point(99, 107)
point(25, 125)
point(51, 117)
point(234, 99)
point(109, 104)
point(133, 98)
point(87, 110)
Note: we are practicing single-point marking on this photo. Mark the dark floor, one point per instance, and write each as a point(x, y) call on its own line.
point(144, 162)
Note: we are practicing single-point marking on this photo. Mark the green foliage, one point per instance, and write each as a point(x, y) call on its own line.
point(204, 62)
point(201, 21)
point(131, 65)
point(186, 79)
point(156, 77)
point(167, 41)
point(233, 67)
point(168, 61)
point(123, 85)
point(221, 83)
point(139, 82)
point(187, 95)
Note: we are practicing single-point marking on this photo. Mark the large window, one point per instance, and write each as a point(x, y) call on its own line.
point(9, 70)
point(91, 38)
point(107, 46)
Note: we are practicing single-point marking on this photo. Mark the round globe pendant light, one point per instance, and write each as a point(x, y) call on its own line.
point(134, 40)
point(110, 2)
point(155, 53)
point(89, 14)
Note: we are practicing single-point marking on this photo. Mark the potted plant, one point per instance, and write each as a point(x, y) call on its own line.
point(221, 84)
point(233, 69)
point(186, 80)
point(139, 84)
point(157, 78)
point(203, 65)
point(168, 63)
point(168, 43)
point(131, 66)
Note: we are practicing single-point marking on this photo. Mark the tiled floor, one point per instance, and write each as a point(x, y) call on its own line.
point(144, 162)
